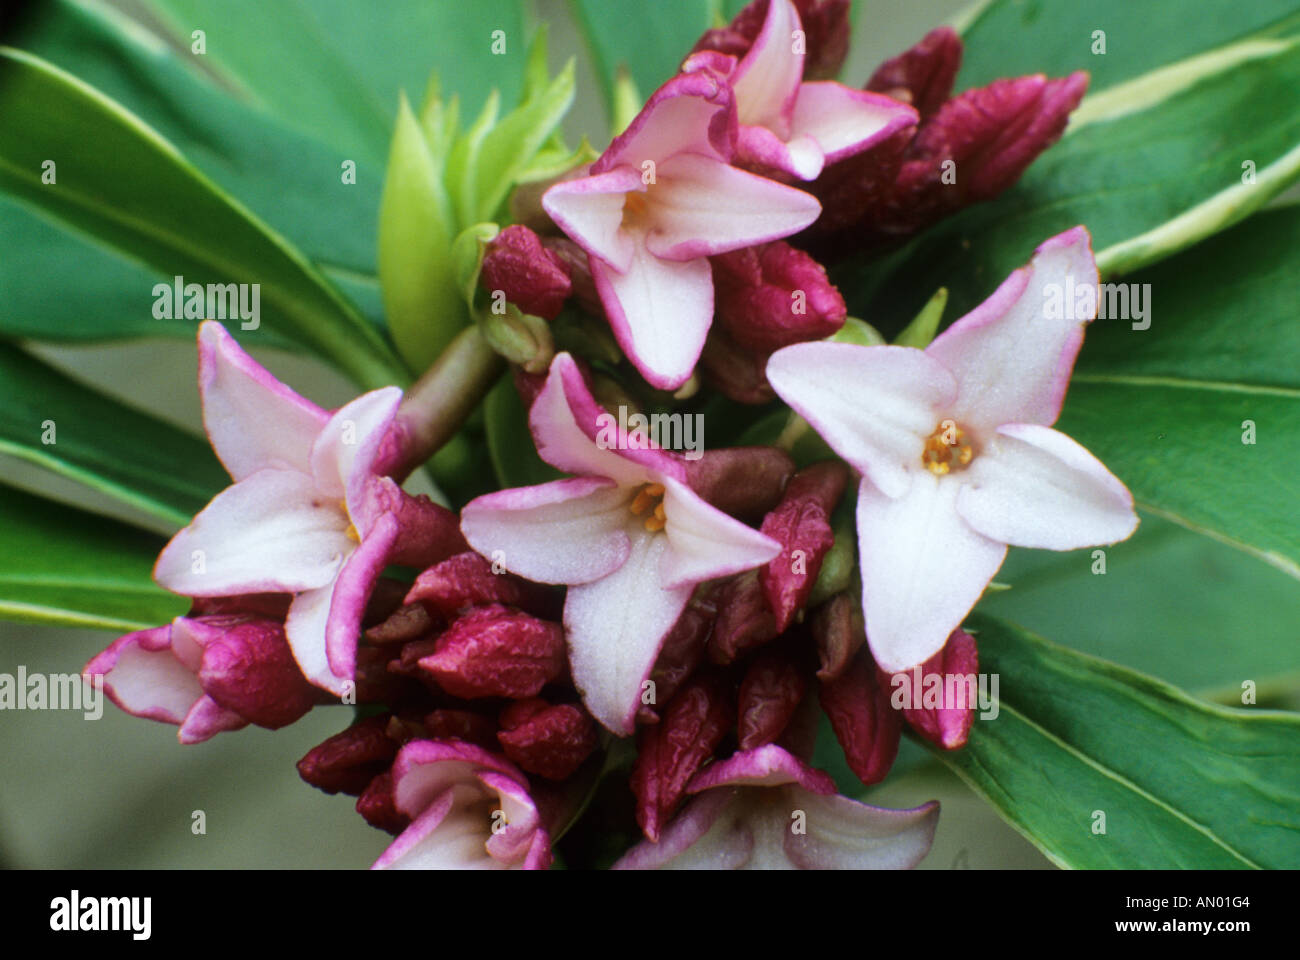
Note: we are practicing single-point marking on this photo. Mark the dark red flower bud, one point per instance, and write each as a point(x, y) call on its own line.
point(577, 265)
point(530, 276)
point(957, 665)
point(377, 806)
point(468, 580)
point(853, 191)
point(496, 651)
point(745, 482)
point(801, 523)
point(826, 30)
point(247, 667)
point(867, 727)
point(550, 741)
point(773, 295)
point(923, 75)
point(427, 532)
point(466, 725)
point(682, 650)
point(348, 761)
point(737, 373)
point(836, 626)
point(670, 752)
point(985, 138)
point(770, 694)
point(745, 621)
point(408, 622)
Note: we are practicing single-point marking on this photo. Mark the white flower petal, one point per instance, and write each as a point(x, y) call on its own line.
point(705, 543)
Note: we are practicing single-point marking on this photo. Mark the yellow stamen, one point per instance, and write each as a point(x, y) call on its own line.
point(655, 524)
point(946, 449)
point(352, 533)
point(643, 501)
point(651, 495)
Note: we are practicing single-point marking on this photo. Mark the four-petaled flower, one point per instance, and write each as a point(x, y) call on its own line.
point(792, 126)
point(627, 534)
point(308, 513)
point(956, 451)
point(657, 204)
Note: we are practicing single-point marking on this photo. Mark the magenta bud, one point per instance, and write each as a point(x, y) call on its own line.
point(737, 373)
point(801, 524)
point(923, 75)
point(826, 30)
point(468, 580)
point(496, 651)
point(550, 741)
point(376, 804)
point(745, 482)
point(745, 621)
point(946, 724)
point(836, 626)
point(773, 295)
point(770, 694)
point(867, 727)
point(682, 650)
point(348, 761)
point(530, 276)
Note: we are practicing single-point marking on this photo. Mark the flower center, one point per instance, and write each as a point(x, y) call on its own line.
point(636, 207)
point(651, 495)
point(947, 449)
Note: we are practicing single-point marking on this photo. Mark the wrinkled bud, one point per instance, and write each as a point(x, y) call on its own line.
point(669, 753)
point(530, 276)
point(836, 626)
point(770, 694)
point(467, 580)
point(405, 623)
point(922, 76)
point(853, 191)
point(496, 651)
point(745, 621)
point(348, 761)
point(247, 667)
point(550, 741)
point(773, 295)
point(801, 524)
point(735, 372)
point(475, 728)
point(826, 31)
point(745, 482)
point(376, 805)
point(991, 134)
point(948, 724)
point(428, 532)
point(682, 650)
point(865, 724)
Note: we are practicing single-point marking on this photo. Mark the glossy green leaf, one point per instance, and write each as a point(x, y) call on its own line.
point(1181, 784)
point(1146, 183)
point(1181, 607)
point(61, 565)
point(1009, 38)
point(650, 43)
point(1172, 409)
point(50, 419)
point(136, 192)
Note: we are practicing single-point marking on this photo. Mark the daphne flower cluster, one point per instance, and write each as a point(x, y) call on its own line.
point(644, 647)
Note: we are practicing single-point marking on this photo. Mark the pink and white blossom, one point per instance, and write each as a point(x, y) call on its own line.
point(626, 533)
point(657, 204)
point(786, 124)
point(309, 512)
point(956, 451)
point(765, 809)
point(469, 809)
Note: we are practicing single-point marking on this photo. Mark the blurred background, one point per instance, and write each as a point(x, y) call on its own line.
point(120, 792)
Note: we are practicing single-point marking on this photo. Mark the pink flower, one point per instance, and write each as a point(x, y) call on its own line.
point(308, 513)
point(765, 809)
point(658, 203)
point(956, 452)
point(789, 125)
point(207, 673)
point(469, 809)
point(627, 534)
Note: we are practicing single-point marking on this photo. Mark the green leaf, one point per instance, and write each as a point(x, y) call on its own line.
point(1166, 408)
point(135, 191)
point(52, 420)
point(1237, 624)
point(1010, 38)
point(1182, 784)
point(514, 457)
point(61, 565)
point(650, 44)
point(1146, 183)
